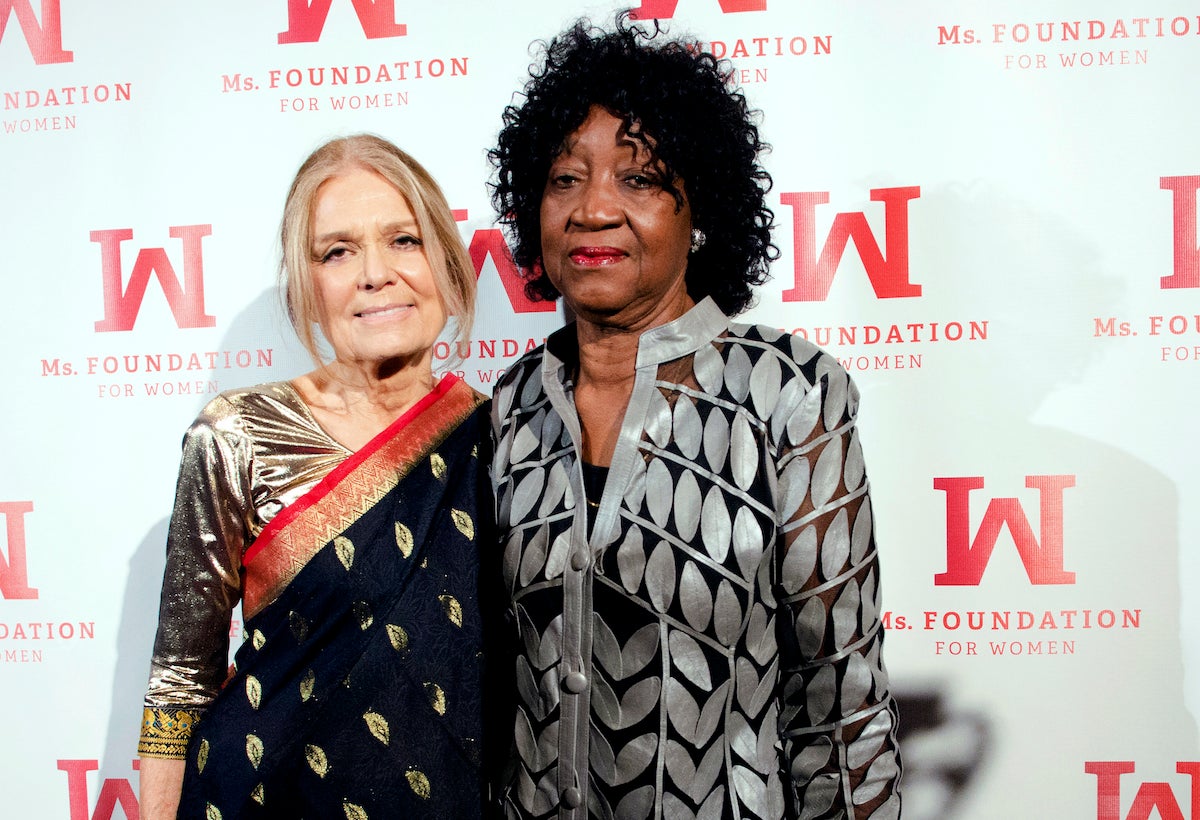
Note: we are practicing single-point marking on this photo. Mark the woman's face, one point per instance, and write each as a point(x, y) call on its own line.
point(614, 241)
point(375, 291)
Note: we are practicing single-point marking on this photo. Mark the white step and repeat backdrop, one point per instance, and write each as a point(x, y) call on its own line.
point(986, 210)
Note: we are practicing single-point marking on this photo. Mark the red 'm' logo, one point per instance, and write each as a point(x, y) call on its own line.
point(186, 300)
point(490, 242)
point(14, 576)
point(665, 9)
point(814, 275)
point(1187, 255)
point(1151, 797)
point(44, 40)
point(306, 20)
point(113, 792)
point(966, 559)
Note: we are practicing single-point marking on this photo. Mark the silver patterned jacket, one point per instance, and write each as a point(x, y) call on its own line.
point(713, 648)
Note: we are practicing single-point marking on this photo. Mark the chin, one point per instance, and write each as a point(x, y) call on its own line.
point(606, 303)
point(592, 310)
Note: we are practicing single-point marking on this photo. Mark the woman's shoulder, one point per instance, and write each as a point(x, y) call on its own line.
point(280, 392)
point(796, 356)
point(253, 399)
point(775, 373)
point(455, 383)
point(271, 402)
point(522, 376)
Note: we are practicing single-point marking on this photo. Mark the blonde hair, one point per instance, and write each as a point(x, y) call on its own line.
point(448, 259)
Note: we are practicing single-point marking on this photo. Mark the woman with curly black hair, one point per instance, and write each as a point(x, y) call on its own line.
point(689, 560)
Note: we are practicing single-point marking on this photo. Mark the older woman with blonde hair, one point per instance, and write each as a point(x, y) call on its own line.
point(342, 509)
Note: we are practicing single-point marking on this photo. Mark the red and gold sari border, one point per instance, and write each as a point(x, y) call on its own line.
point(302, 529)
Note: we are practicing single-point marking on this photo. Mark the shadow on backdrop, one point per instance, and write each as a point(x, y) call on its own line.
point(260, 325)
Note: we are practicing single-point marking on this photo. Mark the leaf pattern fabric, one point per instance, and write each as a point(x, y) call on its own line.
point(712, 648)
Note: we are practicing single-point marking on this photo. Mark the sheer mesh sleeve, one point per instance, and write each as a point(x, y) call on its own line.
point(837, 717)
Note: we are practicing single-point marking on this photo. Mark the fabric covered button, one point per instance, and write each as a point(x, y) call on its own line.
point(575, 682)
point(579, 560)
point(572, 798)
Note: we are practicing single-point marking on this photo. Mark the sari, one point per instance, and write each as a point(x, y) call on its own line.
point(356, 692)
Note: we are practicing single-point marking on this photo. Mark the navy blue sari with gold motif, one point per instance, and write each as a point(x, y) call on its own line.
point(356, 693)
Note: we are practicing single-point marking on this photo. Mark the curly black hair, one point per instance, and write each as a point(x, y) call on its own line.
point(677, 101)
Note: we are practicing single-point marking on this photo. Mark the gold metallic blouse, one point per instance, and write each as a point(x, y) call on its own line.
point(249, 454)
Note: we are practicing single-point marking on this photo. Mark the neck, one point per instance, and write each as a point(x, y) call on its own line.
point(382, 390)
point(608, 353)
point(606, 360)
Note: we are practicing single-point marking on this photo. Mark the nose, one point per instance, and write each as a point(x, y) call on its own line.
point(598, 206)
point(376, 272)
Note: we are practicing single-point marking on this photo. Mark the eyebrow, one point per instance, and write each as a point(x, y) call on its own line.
point(409, 225)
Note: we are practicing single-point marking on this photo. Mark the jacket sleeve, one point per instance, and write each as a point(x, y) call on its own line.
point(837, 716)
